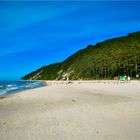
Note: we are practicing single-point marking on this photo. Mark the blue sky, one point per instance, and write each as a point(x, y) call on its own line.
point(34, 34)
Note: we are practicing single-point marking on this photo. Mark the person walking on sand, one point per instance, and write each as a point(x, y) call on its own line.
point(116, 79)
point(129, 79)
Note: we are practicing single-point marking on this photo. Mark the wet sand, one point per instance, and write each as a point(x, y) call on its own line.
point(78, 111)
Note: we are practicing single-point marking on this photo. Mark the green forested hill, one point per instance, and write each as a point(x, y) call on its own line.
point(104, 60)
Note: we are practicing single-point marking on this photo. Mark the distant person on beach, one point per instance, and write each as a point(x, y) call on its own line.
point(116, 79)
point(128, 79)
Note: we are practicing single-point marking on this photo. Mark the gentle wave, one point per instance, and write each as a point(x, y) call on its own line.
point(12, 88)
point(3, 92)
point(10, 85)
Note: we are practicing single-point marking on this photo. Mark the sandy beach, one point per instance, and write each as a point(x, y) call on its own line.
point(76, 111)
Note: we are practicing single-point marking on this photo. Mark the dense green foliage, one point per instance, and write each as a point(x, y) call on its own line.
point(104, 60)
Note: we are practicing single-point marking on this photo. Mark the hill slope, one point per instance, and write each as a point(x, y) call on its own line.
point(101, 61)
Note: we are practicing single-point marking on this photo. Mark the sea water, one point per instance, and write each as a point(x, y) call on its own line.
point(9, 87)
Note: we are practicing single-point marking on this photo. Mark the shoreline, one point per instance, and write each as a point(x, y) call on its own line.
point(19, 88)
point(17, 92)
point(56, 82)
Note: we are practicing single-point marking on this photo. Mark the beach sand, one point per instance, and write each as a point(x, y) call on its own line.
point(78, 111)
